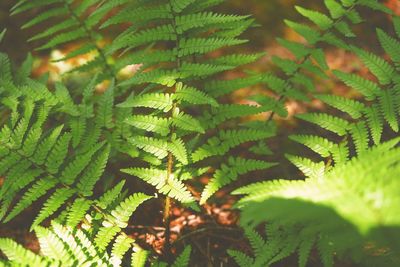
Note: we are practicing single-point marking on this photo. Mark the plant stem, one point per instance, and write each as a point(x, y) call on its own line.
point(170, 162)
point(167, 210)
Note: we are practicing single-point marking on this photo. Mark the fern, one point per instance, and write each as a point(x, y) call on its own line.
point(321, 200)
point(73, 27)
point(170, 122)
point(61, 245)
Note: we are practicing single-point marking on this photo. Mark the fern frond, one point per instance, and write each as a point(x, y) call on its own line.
point(121, 245)
point(308, 167)
point(55, 201)
point(330, 123)
point(241, 258)
point(378, 66)
point(150, 123)
point(155, 101)
point(139, 257)
point(173, 187)
point(205, 45)
point(351, 107)
point(187, 122)
point(104, 236)
point(17, 253)
point(225, 141)
point(193, 96)
point(388, 108)
point(93, 172)
point(160, 33)
point(125, 209)
point(77, 211)
point(320, 19)
point(229, 173)
point(154, 146)
point(183, 259)
point(390, 44)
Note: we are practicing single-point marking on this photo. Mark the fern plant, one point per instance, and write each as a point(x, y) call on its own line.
point(37, 162)
point(342, 218)
point(67, 246)
point(172, 118)
point(172, 122)
point(349, 206)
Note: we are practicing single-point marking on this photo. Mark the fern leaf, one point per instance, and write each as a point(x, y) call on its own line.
point(124, 210)
point(388, 109)
point(375, 122)
point(150, 123)
point(178, 149)
point(312, 36)
point(155, 101)
point(108, 197)
point(77, 211)
point(139, 257)
point(63, 38)
point(141, 15)
point(105, 109)
point(360, 136)
point(158, 178)
point(156, 147)
point(328, 122)
point(179, 5)
point(186, 122)
point(390, 45)
point(351, 107)
point(78, 127)
point(321, 20)
point(205, 45)
point(368, 88)
point(58, 153)
point(104, 236)
point(121, 245)
point(160, 33)
point(378, 66)
point(241, 259)
point(37, 190)
point(304, 250)
point(158, 76)
point(229, 173)
point(193, 96)
point(56, 200)
point(308, 167)
point(76, 166)
point(18, 254)
point(221, 87)
point(183, 258)
point(318, 144)
point(51, 246)
point(226, 140)
point(335, 9)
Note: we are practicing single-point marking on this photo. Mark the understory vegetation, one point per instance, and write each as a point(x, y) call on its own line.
point(164, 113)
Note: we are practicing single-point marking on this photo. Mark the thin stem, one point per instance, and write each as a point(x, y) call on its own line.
point(167, 209)
point(170, 162)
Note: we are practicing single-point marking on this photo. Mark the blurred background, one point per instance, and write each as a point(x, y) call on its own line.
point(269, 14)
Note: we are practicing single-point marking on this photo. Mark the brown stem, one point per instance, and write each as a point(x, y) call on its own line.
point(167, 210)
point(170, 162)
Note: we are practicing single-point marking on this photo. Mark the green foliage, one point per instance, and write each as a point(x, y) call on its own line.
point(171, 122)
point(325, 208)
point(350, 199)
